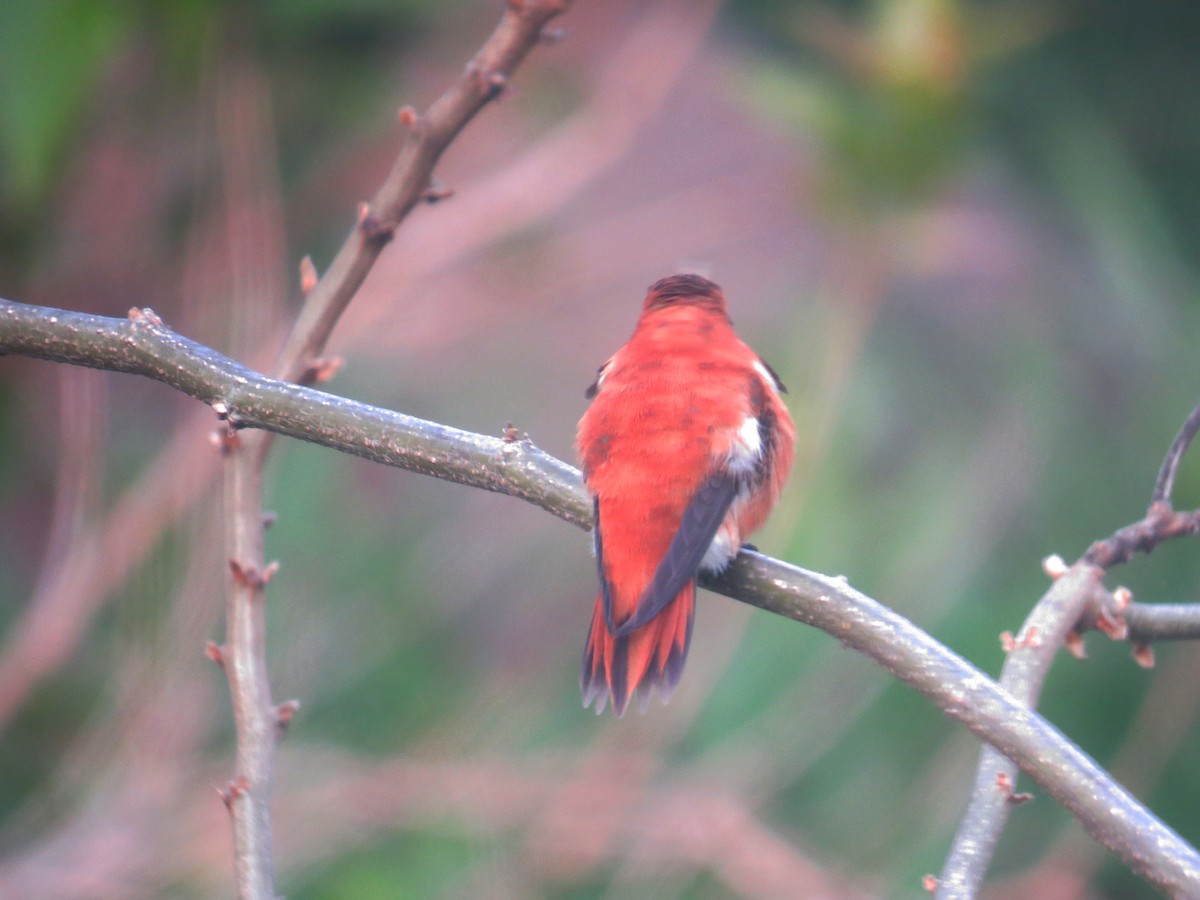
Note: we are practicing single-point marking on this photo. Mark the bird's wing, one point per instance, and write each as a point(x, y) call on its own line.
point(605, 586)
point(703, 516)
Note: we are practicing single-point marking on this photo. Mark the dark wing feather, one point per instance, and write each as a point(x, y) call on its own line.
point(779, 385)
point(699, 525)
point(594, 387)
point(605, 587)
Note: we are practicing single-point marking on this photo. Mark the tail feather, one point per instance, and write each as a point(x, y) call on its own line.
point(649, 657)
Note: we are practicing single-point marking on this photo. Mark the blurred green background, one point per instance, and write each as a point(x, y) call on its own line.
point(965, 234)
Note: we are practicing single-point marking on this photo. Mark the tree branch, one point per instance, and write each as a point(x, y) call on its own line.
point(1141, 624)
point(1111, 815)
point(1164, 484)
point(144, 346)
point(1030, 656)
point(485, 78)
point(244, 657)
point(1161, 523)
point(1150, 622)
point(1076, 601)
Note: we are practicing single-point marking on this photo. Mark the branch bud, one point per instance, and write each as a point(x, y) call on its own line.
point(1054, 566)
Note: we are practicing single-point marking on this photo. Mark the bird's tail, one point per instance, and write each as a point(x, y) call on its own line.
point(651, 656)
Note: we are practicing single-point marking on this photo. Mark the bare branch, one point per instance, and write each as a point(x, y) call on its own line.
point(1161, 523)
point(1165, 483)
point(1030, 656)
point(1141, 624)
point(249, 798)
point(1150, 622)
point(1076, 601)
point(145, 347)
point(426, 137)
point(1108, 812)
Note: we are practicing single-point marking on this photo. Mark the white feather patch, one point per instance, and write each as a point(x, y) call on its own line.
point(719, 553)
point(746, 448)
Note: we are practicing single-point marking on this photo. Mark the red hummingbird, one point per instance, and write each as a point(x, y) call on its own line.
point(685, 449)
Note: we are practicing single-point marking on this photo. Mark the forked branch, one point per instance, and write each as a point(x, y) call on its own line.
point(1075, 602)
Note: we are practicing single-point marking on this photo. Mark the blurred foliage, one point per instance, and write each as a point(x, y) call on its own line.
point(884, 99)
point(50, 56)
point(989, 351)
point(55, 58)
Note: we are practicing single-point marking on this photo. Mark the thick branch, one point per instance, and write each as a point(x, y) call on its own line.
point(143, 346)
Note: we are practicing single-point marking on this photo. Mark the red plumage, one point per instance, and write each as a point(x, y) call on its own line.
point(685, 449)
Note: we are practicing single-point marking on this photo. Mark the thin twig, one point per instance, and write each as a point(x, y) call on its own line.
point(248, 795)
point(1165, 483)
point(1161, 523)
point(426, 138)
point(144, 346)
point(1150, 622)
point(1141, 624)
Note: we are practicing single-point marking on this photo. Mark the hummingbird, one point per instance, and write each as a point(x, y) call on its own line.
point(685, 449)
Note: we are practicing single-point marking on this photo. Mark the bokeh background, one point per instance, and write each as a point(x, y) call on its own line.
point(965, 234)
